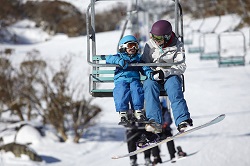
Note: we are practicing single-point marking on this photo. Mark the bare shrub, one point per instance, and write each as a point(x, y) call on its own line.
point(34, 90)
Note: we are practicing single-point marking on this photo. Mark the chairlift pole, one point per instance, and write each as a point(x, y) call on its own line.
point(181, 36)
point(176, 17)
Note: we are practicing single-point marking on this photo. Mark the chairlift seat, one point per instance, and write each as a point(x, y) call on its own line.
point(210, 52)
point(232, 61)
point(195, 49)
point(188, 42)
point(104, 75)
point(209, 56)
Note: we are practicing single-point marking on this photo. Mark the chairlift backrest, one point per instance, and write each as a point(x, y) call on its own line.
point(232, 48)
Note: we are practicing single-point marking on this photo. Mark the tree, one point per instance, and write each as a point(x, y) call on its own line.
point(35, 90)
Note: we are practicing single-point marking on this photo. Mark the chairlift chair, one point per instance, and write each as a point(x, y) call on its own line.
point(207, 40)
point(210, 42)
point(196, 34)
point(232, 48)
point(189, 36)
point(103, 73)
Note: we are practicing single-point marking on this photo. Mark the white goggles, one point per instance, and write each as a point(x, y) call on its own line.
point(131, 45)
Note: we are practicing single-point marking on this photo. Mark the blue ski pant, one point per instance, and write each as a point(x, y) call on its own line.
point(125, 92)
point(173, 87)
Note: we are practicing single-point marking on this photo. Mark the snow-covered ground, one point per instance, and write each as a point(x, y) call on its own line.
point(209, 91)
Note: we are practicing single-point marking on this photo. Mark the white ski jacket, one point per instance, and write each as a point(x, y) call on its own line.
point(152, 53)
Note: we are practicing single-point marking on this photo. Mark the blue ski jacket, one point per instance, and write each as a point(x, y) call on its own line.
point(131, 73)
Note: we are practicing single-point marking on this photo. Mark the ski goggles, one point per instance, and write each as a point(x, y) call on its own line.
point(160, 38)
point(131, 45)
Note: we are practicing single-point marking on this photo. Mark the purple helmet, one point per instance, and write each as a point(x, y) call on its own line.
point(161, 28)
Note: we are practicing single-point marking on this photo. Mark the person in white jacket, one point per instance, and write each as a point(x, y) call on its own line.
point(165, 47)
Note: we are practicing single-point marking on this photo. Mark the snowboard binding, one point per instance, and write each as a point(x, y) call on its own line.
point(146, 139)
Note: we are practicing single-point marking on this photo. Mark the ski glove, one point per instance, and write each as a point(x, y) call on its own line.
point(123, 63)
point(158, 76)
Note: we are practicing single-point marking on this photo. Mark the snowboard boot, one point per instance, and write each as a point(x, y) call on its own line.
point(180, 152)
point(124, 119)
point(148, 162)
point(153, 127)
point(139, 116)
point(146, 139)
point(133, 162)
point(183, 125)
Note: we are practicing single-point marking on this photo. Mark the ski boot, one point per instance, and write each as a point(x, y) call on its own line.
point(183, 125)
point(124, 119)
point(180, 152)
point(153, 127)
point(139, 116)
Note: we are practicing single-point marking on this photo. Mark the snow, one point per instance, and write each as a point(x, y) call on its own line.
point(209, 91)
point(26, 32)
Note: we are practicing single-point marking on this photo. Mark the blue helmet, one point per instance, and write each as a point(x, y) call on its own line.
point(126, 39)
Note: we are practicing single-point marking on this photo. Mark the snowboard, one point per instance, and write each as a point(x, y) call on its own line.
point(179, 134)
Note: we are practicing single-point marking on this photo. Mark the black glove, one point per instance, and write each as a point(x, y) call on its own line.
point(158, 76)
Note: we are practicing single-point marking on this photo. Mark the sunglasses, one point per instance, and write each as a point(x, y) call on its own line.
point(160, 38)
point(131, 45)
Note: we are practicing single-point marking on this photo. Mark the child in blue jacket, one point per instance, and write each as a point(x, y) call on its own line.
point(128, 87)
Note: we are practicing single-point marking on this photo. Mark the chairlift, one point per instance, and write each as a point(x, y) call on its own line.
point(210, 43)
point(196, 33)
point(232, 48)
point(101, 78)
point(249, 37)
point(189, 37)
point(188, 33)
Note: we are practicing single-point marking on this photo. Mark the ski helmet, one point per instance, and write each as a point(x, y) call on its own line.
point(124, 40)
point(161, 28)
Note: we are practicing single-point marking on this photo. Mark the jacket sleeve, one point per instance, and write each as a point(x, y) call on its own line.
point(177, 69)
point(147, 71)
point(180, 56)
point(113, 59)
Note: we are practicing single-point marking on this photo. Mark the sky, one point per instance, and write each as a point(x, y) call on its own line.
point(210, 90)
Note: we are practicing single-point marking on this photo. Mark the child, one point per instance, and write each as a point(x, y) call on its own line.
point(128, 87)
